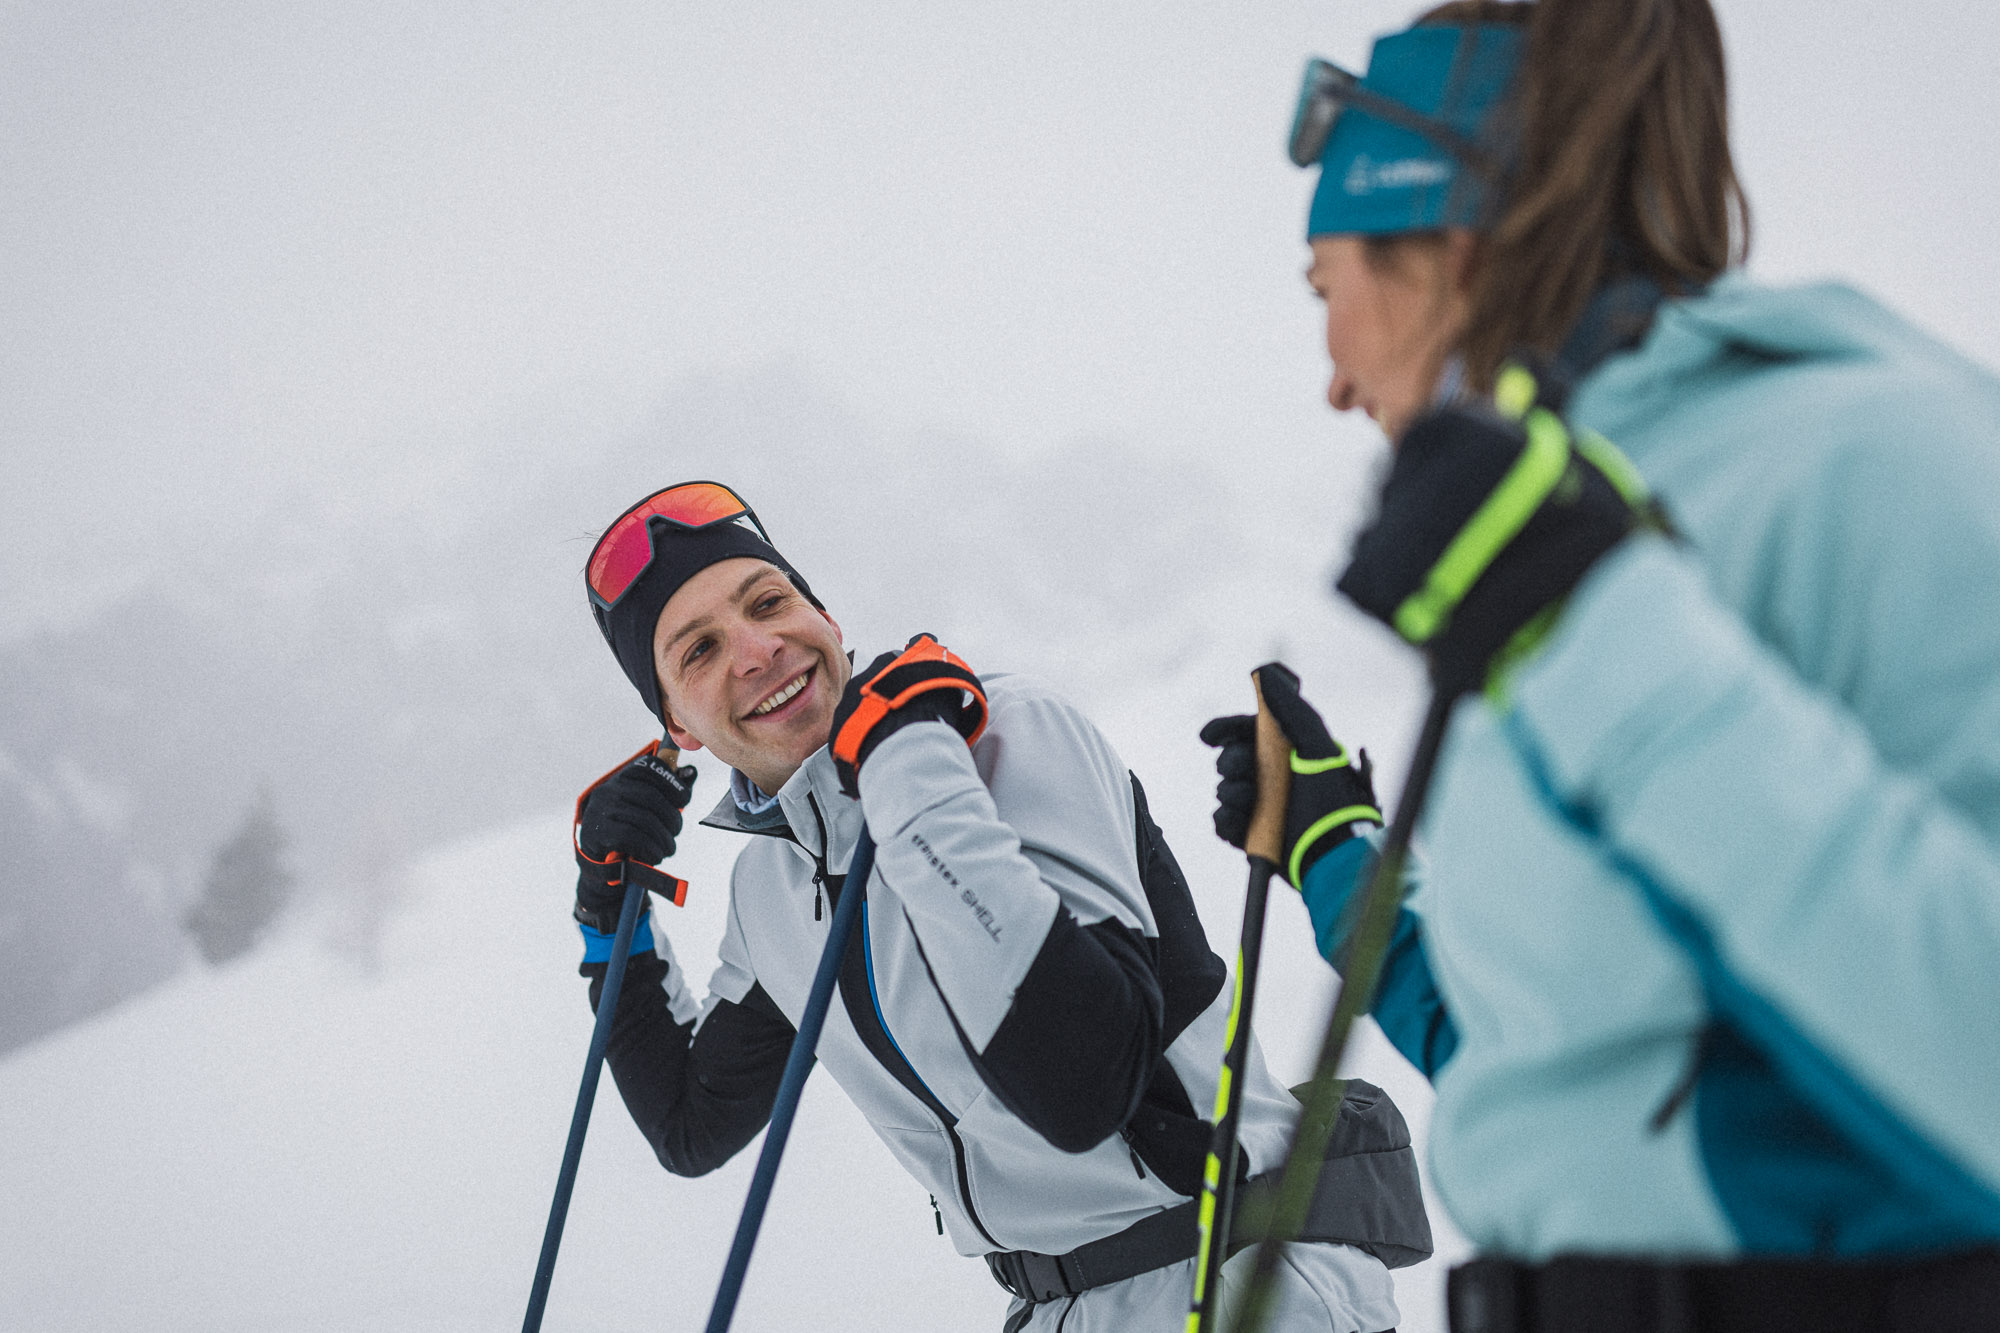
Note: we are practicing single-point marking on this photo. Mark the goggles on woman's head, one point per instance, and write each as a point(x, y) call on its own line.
point(626, 548)
point(1327, 90)
point(1421, 141)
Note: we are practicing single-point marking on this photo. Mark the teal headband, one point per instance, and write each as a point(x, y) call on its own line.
point(1378, 178)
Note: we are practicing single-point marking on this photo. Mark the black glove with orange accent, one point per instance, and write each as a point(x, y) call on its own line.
point(926, 682)
point(630, 815)
point(1332, 793)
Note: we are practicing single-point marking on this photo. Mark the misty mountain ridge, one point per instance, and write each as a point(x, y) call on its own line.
point(403, 673)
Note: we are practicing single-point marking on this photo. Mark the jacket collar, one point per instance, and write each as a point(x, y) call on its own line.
point(733, 818)
point(1615, 320)
point(809, 800)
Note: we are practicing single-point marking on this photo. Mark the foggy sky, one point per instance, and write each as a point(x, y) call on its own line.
point(272, 263)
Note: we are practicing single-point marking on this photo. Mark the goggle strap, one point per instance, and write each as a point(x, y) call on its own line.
point(1346, 90)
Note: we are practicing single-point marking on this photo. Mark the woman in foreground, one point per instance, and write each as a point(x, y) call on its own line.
point(1702, 962)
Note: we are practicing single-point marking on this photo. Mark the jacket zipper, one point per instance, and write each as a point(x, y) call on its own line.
point(917, 1086)
point(1133, 1149)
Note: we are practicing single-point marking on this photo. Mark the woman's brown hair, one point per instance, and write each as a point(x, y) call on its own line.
point(1622, 166)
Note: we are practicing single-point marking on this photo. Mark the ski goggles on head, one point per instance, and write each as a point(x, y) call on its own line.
point(1327, 90)
point(1422, 141)
point(626, 548)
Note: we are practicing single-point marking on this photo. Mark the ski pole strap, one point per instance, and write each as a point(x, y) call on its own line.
point(619, 873)
point(924, 666)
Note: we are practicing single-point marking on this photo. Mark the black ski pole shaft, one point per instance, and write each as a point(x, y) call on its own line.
point(799, 1064)
point(600, 1037)
point(1265, 846)
point(1366, 954)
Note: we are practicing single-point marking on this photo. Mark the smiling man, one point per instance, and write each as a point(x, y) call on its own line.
point(1029, 1015)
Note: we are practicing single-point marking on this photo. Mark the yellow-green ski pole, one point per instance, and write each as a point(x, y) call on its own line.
point(1359, 977)
point(1264, 844)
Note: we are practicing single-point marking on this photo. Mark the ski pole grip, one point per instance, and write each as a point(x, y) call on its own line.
point(1266, 838)
point(670, 887)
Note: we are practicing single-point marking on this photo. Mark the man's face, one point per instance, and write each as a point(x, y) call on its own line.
point(748, 668)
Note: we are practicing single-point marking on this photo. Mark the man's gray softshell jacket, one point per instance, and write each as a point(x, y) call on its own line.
point(1031, 1019)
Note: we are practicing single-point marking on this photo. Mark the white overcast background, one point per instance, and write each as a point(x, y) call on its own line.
point(997, 311)
point(253, 252)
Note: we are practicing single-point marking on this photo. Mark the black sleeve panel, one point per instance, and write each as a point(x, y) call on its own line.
point(1191, 976)
point(698, 1097)
point(1077, 1049)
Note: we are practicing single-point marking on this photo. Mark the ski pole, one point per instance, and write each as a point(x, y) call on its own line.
point(799, 1064)
point(1370, 947)
point(1264, 845)
point(638, 878)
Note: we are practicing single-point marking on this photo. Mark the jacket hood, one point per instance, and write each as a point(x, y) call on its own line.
point(1734, 319)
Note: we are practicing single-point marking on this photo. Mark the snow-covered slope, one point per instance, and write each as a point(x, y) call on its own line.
point(291, 1144)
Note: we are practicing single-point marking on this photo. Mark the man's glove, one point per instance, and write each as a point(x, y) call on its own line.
point(631, 814)
point(1486, 524)
point(925, 682)
point(1332, 797)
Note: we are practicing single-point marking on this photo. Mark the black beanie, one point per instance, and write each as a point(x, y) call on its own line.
point(678, 555)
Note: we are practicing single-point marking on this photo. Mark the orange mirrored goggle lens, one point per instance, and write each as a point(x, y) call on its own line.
point(626, 548)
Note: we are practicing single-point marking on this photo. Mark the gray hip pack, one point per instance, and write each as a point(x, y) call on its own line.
point(1368, 1197)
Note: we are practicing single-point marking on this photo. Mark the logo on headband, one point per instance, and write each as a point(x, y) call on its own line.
point(1365, 175)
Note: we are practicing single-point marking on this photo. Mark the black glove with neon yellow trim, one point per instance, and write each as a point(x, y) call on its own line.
point(1332, 793)
point(1485, 526)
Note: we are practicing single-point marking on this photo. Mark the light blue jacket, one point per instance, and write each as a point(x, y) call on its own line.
point(1736, 829)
